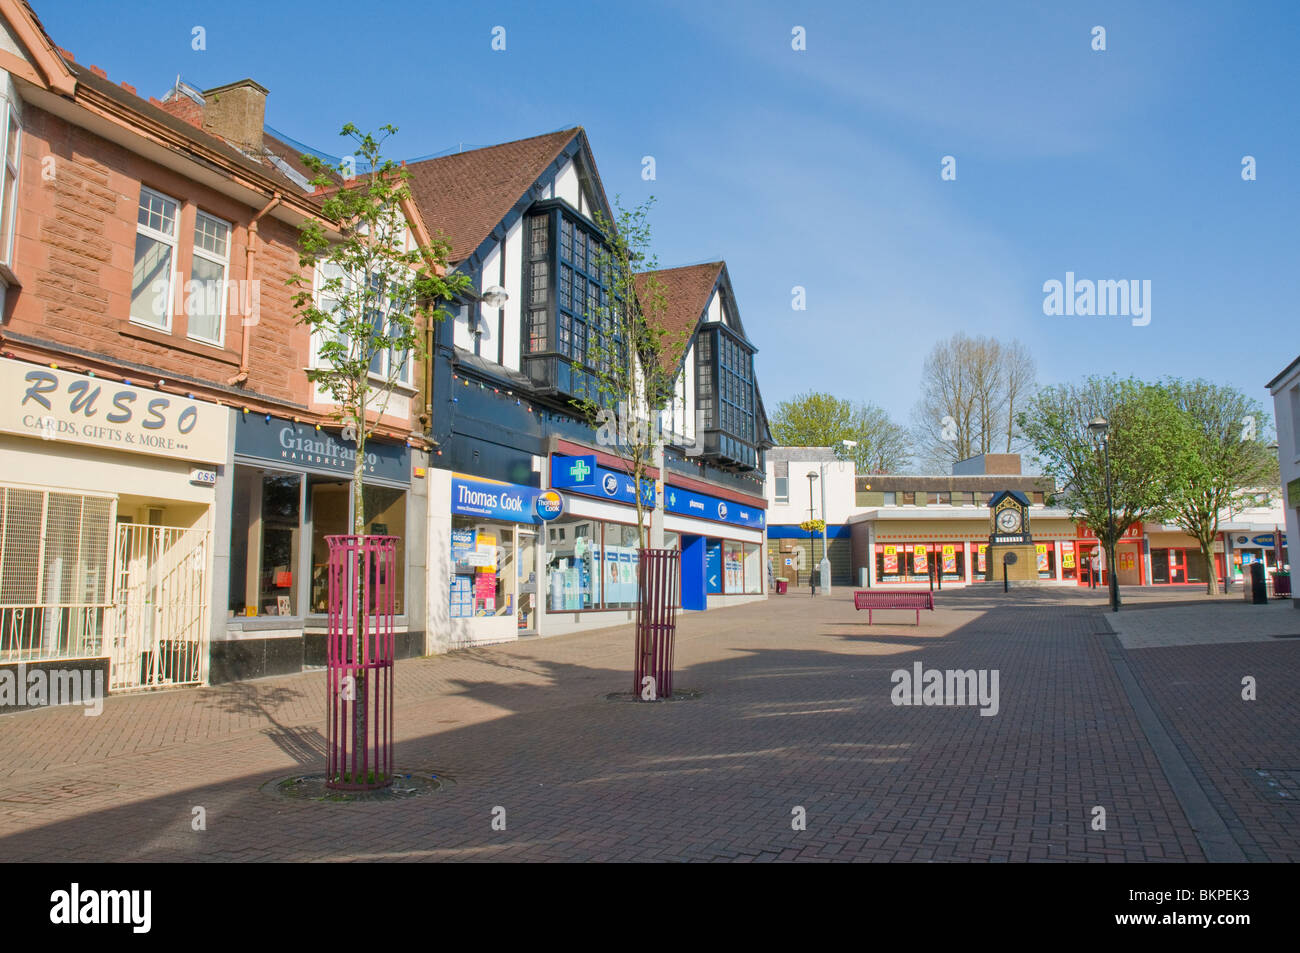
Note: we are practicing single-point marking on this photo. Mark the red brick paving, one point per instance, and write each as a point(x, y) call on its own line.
point(796, 711)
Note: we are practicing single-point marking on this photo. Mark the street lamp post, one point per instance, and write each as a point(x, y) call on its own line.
point(812, 476)
point(1100, 427)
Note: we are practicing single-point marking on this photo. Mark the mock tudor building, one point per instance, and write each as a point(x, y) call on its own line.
point(532, 522)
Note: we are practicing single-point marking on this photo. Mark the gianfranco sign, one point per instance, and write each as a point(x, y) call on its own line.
point(75, 408)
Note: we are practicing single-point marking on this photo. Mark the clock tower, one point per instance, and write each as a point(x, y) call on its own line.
point(1010, 540)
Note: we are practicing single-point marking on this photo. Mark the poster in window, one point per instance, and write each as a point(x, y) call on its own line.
point(891, 560)
point(1040, 550)
point(1067, 555)
point(949, 558)
point(981, 554)
point(920, 561)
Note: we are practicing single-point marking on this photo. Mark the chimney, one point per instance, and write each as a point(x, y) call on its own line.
point(236, 112)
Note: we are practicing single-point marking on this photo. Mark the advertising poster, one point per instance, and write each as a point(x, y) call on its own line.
point(1040, 549)
point(920, 560)
point(462, 544)
point(982, 553)
point(891, 560)
point(1067, 555)
point(949, 558)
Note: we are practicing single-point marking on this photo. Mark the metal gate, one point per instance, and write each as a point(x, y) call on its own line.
point(160, 603)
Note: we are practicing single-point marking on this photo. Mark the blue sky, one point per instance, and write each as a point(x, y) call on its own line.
point(821, 168)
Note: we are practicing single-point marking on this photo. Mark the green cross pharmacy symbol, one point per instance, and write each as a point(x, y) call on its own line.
point(579, 471)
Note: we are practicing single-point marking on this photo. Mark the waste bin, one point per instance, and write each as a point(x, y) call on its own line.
point(780, 587)
point(1281, 585)
point(1255, 589)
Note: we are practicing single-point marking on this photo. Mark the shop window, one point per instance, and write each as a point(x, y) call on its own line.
point(331, 515)
point(484, 573)
point(1069, 561)
point(264, 538)
point(950, 560)
point(733, 566)
point(573, 576)
point(621, 561)
point(753, 568)
point(1045, 554)
point(385, 513)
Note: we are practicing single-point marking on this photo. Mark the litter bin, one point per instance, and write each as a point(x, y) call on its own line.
point(1281, 585)
point(780, 587)
point(1255, 589)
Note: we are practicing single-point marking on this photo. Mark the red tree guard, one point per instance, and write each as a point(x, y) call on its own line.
point(656, 620)
point(362, 613)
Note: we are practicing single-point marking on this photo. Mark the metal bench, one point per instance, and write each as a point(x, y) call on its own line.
point(862, 599)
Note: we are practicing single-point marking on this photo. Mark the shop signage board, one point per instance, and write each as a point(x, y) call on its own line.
point(713, 567)
point(507, 502)
point(583, 475)
point(61, 406)
point(703, 506)
point(283, 441)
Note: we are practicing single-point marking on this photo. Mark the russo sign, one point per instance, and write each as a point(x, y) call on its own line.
point(63, 406)
point(283, 441)
point(508, 502)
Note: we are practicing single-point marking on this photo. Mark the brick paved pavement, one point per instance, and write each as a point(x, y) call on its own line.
point(796, 711)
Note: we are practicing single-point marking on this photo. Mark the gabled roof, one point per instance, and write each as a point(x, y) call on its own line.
point(466, 195)
point(686, 293)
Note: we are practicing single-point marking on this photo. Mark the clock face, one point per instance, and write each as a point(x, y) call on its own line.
point(1009, 520)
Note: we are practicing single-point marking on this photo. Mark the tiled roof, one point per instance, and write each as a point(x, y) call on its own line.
point(465, 195)
point(686, 293)
point(87, 77)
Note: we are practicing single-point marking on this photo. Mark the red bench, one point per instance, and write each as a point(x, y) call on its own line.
point(862, 599)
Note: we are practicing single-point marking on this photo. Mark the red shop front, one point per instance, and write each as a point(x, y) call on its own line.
point(1128, 557)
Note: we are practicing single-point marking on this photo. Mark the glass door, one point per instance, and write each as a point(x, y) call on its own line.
point(526, 582)
point(1177, 567)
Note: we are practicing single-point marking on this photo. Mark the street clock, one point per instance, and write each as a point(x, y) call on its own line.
point(1010, 516)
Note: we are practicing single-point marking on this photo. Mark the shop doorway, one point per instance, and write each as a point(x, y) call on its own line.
point(526, 582)
point(160, 597)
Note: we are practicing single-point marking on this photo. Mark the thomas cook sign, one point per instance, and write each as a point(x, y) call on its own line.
point(74, 408)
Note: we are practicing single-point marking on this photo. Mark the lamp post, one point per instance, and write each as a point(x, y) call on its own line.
point(1099, 426)
point(812, 476)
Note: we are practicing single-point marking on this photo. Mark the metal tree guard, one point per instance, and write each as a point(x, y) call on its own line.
point(656, 620)
point(362, 614)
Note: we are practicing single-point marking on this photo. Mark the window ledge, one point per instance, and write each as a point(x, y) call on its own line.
point(7, 275)
point(175, 342)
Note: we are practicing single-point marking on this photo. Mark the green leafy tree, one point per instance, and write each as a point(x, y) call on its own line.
point(632, 355)
point(1147, 444)
point(818, 419)
point(376, 291)
point(366, 290)
point(1225, 431)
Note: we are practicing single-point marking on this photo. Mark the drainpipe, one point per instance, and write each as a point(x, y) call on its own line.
point(249, 272)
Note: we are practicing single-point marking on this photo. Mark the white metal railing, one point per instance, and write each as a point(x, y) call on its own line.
point(48, 633)
point(160, 607)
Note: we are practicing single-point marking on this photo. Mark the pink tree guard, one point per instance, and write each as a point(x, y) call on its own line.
point(362, 615)
point(656, 620)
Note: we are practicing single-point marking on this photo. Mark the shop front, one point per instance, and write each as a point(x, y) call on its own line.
point(1252, 546)
point(1092, 559)
point(289, 489)
point(723, 545)
point(107, 497)
point(949, 551)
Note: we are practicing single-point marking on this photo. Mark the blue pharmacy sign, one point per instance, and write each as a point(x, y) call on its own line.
point(705, 507)
point(583, 475)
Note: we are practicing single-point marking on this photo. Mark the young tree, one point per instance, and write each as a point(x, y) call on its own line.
point(377, 290)
point(1225, 430)
point(823, 420)
point(632, 354)
point(1147, 450)
point(366, 290)
point(972, 389)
